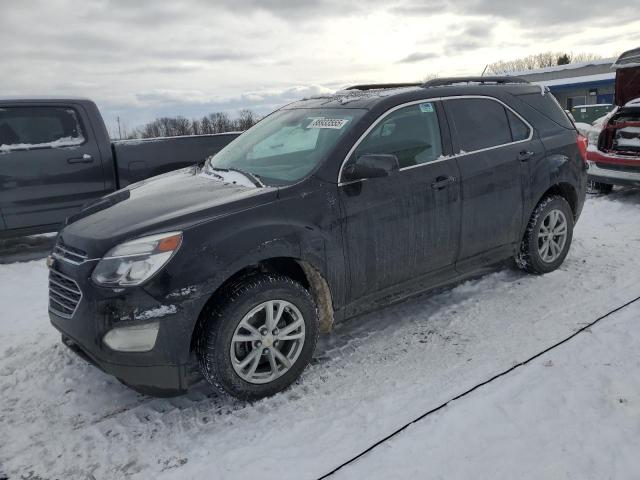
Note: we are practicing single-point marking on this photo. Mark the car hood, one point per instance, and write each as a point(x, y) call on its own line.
point(627, 77)
point(173, 201)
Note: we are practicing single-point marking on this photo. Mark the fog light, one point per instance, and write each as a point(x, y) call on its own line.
point(137, 338)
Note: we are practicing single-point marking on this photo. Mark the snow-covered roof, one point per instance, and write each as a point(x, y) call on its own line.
point(559, 68)
point(593, 105)
point(576, 80)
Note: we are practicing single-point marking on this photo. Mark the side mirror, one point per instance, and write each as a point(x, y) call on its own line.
point(370, 165)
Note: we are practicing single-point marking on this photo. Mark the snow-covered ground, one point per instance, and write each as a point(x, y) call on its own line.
point(572, 413)
point(61, 418)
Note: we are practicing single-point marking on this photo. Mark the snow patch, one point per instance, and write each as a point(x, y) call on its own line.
point(228, 177)
point(158, 312)
point(183, 292)
point(59, 143)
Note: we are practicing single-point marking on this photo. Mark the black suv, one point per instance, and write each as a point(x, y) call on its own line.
point(327, 208)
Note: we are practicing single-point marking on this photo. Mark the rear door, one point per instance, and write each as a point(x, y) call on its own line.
point(49, 164)
point(493, 145)
point(406, 225)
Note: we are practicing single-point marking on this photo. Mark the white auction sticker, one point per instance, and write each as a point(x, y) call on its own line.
point(336, 123)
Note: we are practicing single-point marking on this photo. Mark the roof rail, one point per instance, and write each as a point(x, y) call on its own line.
point(441, 82)
point(375, 86)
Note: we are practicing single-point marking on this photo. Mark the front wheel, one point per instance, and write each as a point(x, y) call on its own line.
point(548, 236)
point(259, 337)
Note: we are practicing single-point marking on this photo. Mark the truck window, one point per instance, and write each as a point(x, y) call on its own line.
point(23, 128)
point(479, 123)
point(410, 133)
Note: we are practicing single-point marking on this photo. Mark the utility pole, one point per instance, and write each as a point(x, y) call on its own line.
point(119, 131)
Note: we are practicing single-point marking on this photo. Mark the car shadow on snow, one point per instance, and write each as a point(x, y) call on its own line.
point(628, 195)
point(24, 249)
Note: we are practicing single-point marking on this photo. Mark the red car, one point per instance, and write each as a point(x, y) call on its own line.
point(615, 159)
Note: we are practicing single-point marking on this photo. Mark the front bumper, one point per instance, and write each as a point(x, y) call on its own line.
point(166, 369)
point(613, 169)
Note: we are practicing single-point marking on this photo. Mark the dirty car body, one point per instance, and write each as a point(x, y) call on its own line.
point(447, 211)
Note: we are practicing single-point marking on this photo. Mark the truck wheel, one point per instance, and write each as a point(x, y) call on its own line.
point(548, 236)
point(259, 337)
point(598, 187)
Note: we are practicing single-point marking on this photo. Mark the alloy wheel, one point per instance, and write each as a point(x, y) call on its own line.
point(267, 341)
point(552, 236)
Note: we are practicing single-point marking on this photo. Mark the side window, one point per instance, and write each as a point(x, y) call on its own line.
point(479, 123)
point(410, 133)
point(39, 127)
point(519, 129)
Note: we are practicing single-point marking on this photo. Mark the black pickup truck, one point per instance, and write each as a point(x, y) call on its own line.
point(56, 155)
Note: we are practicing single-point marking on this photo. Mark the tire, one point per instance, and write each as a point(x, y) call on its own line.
point(533, 257)
point(599, 187)
point(220, 353)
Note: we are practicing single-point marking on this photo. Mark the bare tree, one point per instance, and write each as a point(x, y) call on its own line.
point(217, 122)
point(205, 126)
point(196, 127)
point(584, 57)
point(246, 120)
point(539, 60)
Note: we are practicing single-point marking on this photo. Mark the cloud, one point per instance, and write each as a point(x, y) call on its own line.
point(527, 14)
point(143, 58)
point(418, 57)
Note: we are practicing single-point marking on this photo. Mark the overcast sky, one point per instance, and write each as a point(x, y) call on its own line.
point(141, 58)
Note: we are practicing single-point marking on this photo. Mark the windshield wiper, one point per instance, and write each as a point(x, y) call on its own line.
point(252, 178)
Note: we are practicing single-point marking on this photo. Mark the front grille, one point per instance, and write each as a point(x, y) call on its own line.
point(69, 254)
point(619, 168)
point(64, 294)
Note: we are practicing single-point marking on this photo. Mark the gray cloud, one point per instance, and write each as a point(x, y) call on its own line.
point(143, 58)
point(418, 57)
point(528, 14)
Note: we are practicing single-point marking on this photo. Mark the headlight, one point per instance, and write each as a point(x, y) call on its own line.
point(131, 263)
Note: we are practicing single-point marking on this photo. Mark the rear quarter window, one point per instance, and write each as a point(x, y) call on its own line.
point(479, 123)
point(549, 107)
point(519, 130)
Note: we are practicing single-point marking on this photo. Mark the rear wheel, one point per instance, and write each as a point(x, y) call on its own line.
point(259, 337)
point(548, 236)
point(598, 187)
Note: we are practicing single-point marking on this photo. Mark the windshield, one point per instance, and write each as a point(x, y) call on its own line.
point(287, 145)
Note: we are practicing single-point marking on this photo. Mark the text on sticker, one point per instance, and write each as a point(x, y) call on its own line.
point(336, 123)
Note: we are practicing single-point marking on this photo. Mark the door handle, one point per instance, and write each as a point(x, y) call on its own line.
point(524, 155)
point(86, 158)
point(442, 182)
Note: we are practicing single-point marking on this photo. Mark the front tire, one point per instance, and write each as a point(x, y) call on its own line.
point(259, 337)
point(548, 236)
